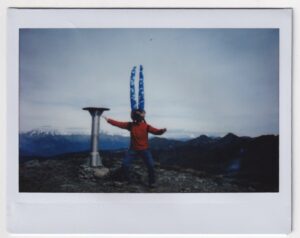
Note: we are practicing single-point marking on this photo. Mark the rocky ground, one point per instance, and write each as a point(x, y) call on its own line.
point(71, 173)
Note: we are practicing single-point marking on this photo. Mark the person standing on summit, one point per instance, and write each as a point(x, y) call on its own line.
point(139, 129)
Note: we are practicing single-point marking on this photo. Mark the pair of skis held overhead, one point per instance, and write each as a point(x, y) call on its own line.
point(139, 140)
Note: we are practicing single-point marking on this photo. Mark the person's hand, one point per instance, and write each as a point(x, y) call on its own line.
point(105, 118)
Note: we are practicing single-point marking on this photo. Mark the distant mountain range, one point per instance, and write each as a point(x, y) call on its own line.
point(50, 143)
point(47, 143)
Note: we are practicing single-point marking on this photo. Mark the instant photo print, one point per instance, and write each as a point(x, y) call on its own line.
point(171, 121)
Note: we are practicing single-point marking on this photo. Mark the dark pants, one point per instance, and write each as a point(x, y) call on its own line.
point(147, 157)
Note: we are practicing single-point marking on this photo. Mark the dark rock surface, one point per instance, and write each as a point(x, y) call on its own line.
point(204, 164)
point(70, 173)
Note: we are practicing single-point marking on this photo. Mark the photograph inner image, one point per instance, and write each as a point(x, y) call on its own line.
point(144, 110)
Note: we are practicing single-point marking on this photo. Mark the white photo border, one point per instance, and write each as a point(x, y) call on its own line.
point(104, 213)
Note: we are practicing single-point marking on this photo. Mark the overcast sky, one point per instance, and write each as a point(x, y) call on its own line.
point(197, 81)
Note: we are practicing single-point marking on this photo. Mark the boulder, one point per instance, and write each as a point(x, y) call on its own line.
point(101, 172)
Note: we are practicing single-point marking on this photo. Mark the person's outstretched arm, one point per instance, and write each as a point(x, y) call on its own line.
point(156, 131)
point(123, 125)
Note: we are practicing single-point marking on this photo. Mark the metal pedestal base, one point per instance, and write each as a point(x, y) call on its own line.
point(95, 160)
point(96, 112)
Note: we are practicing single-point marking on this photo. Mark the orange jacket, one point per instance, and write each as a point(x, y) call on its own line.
point(138, 133)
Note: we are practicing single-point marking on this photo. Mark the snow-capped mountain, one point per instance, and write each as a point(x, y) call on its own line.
point(47, 141)
point(42, 132)
point(48, 130)
point(41, 142)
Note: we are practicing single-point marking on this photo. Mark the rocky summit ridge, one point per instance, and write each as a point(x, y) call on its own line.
point(71, 173)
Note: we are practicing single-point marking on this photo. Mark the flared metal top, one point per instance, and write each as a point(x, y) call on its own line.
point(93, 109)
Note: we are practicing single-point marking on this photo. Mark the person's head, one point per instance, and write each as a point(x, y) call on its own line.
point(138, 115)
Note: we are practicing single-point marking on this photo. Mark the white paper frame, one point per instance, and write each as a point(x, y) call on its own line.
point(207, 213)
